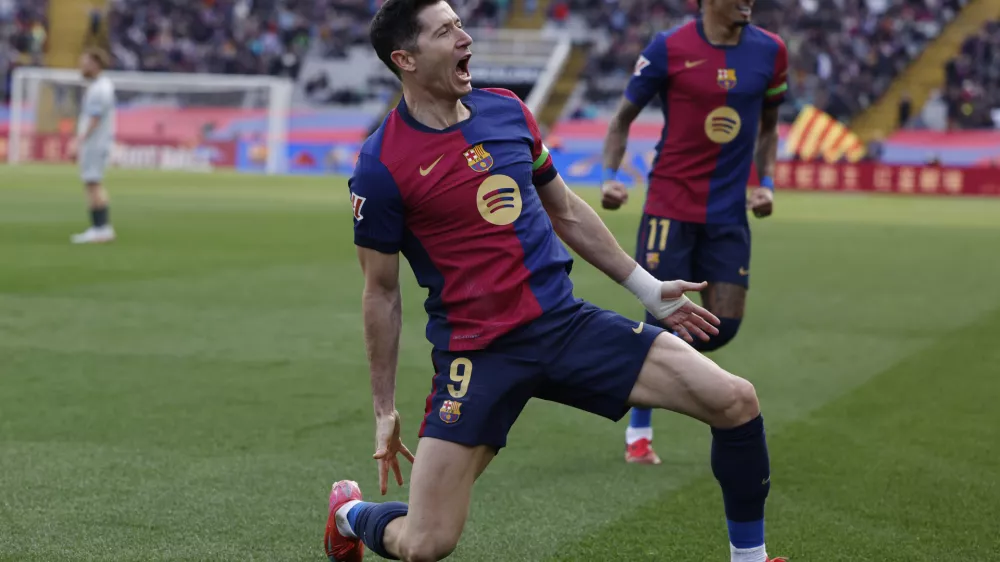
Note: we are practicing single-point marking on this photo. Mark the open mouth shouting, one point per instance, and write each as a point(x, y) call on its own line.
point(462, 69)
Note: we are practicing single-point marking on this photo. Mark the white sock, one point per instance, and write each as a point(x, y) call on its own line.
point(633, 434)
point(755, 554)
point(341, 517)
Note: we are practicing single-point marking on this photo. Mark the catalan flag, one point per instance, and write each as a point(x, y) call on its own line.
point(816, 134)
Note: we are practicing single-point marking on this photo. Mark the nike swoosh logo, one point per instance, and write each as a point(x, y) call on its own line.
point(425, 171)
point(638, 329)
point(689, 64)
point(744, 272)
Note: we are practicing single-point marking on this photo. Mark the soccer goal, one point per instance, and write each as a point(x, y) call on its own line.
point(163, 120)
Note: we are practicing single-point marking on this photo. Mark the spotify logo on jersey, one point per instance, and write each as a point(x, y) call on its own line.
point(499, 200)
point(722, 125)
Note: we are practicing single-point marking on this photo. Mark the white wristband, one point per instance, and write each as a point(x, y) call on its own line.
point(649, 291)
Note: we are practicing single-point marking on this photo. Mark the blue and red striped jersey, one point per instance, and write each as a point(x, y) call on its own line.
point(461, 206)
point(712, 100)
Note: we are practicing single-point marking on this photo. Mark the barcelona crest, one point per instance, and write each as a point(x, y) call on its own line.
point(727, 78)
point(450, 411)
point(478, 159)
point(652, 260)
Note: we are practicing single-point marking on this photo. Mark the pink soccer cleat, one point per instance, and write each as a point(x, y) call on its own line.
point(338, 547)
point(641, 452)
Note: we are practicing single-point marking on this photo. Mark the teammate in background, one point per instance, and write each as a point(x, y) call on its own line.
point(458, 180)
point(719, 78)
point(95, 133)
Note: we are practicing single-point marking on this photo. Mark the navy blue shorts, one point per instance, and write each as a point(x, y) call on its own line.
point(579, 355)
point(694, 252)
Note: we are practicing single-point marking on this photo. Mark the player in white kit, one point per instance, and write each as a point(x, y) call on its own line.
point(95, 134)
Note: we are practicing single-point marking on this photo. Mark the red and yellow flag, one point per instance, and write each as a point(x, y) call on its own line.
point(816, 134)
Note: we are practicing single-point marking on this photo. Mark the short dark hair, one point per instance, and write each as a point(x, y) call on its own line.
point(98, 55)
point(395, 26)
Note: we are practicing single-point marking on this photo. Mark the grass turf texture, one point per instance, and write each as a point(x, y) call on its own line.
point(191, 391)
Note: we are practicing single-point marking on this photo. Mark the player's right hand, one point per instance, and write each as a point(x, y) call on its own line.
point(387, 445)
point(685, 318)
point(614, 194)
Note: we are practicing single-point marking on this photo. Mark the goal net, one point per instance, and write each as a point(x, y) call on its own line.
point(163, 120)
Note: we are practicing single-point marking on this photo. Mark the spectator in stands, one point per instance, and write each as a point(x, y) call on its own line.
point(859, 45)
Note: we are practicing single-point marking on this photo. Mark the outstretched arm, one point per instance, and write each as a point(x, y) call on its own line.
point(579, 226)
point(582, 229)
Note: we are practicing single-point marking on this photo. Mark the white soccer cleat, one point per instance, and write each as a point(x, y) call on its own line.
point(94, 235)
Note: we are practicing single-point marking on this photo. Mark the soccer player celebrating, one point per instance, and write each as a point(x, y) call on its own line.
point(721, 81)
point(458, 181)
point(95, 133)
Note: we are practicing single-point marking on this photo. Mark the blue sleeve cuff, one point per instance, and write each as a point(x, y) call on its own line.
point(768, 182)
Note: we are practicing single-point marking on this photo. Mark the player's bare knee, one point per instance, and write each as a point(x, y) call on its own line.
point(427, 547)
point(740, 405)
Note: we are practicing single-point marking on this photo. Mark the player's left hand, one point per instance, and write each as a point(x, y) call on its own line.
point(761, 202)
point(387, 445)
point(688, 320)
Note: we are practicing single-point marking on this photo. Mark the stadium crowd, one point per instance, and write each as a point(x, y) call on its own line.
point(23, 34)
point(972, 80)
point(843, 53)
point(248, 36)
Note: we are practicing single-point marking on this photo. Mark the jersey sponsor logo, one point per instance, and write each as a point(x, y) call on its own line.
point(499, 200)
point(450, 411)
point(357, 202)
point(640, 64)
point(726, 78)
point(693, 63)
point(427, 170)
point(722, 125)
point(478, 159)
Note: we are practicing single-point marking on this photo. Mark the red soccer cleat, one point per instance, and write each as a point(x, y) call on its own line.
point(641, 452)
point(779, 559)
point(338, 547)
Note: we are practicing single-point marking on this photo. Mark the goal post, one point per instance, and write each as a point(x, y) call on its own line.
point(163, 120)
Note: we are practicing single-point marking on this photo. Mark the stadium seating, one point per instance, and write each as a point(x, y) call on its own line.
point(264, 37)
point(859, 45)
point(972, 81)
point(23, 34)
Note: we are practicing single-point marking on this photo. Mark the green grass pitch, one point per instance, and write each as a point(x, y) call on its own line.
point(190, 391)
